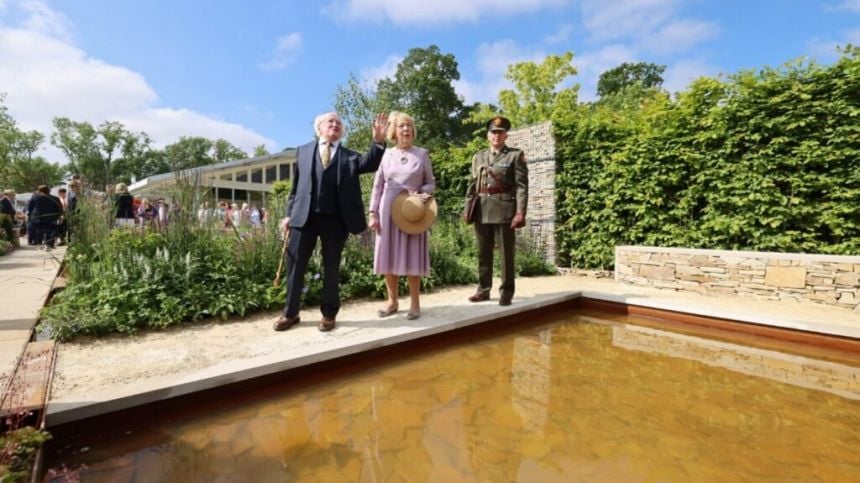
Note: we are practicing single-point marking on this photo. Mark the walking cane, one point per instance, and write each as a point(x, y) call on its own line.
point(277, 280)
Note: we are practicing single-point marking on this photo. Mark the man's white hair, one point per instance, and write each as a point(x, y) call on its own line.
point(319, 119)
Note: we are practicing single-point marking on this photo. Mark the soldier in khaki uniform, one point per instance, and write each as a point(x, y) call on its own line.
point(501, 179)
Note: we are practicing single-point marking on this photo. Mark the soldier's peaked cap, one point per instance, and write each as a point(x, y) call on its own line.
point(499, 123)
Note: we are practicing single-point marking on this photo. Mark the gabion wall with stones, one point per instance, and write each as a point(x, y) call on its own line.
point(538, 143)
point(827, 279)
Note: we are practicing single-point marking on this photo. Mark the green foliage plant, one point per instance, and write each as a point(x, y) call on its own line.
point(762, 161)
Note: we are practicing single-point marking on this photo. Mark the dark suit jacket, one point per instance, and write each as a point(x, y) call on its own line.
point(45, 209)
point(6, 207)
point(350, 165)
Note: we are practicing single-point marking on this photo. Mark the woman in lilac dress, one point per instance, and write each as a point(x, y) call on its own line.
point(404, 167)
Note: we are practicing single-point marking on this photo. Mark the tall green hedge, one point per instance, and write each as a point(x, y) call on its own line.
point(765, 161)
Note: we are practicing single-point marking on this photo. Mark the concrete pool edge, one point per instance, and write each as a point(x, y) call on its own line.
point(116, 399)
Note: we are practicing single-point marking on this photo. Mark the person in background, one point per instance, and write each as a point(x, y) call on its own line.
point(325, 204)
point(124, 204)
point(235, 215)
point(46, 211)
point(223, 214)
point(8, 215)
point(147, 213)
point(7, 203)
point(163, 210)
point(63, 224)
point(254, 216)
point(246, 214)
point(31, 220)
point(402, 245)
point(204, 213)
point(500, 178)
point(70, 216)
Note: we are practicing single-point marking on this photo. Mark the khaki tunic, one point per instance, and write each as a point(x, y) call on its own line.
point(503, 183)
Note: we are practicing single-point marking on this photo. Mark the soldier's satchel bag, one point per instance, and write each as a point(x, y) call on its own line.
point(469, 210)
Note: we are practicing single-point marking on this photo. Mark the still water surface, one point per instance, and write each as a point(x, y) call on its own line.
point(582, 396)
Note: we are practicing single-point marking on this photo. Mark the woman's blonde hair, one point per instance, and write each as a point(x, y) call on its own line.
point(121, 188)
point(394, 119)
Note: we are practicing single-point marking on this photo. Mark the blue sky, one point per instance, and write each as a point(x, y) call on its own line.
point(258, 71)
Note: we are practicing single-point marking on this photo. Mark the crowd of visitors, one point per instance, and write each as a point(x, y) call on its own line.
point(45, 221)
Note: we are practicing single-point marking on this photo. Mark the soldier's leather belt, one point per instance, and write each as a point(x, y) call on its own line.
point(495, 191)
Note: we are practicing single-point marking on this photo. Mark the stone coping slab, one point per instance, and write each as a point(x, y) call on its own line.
point(808, 257)
point(95, 377)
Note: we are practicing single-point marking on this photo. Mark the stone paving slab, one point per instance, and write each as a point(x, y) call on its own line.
point(99, 376)
point(26, 276)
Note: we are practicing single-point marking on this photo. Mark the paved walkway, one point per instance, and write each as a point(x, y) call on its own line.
point(26, 276)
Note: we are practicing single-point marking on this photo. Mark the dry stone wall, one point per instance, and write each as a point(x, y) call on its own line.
point(538, 143)
point(827, 279)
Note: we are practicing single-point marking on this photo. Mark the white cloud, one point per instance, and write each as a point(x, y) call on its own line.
point(828, 50)
point(851, 5)
point(416, 12)
point(43, 19)
point(560, 35)
point(370, 76)
point(286, 51)
point(679, 75)
point(679, 36)
point(45, 76)
point(624, 18)
point(652, 25)
point(492, 62)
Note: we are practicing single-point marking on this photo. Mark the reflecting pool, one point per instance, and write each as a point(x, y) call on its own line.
point(575, 396)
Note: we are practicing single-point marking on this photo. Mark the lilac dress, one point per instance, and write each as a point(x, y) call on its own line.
point(396, 252)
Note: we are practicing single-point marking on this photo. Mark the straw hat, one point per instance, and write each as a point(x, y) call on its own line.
point(412, 215)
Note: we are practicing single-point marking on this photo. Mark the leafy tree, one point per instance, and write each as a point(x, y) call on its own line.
point(537, 91)
point(645, 74)
point(356, 104)
point(260, 150)
point(422, 87)
point(194, 151)
point(102, 155)
point(25, 174)
point(19, 169)
point(223, 151)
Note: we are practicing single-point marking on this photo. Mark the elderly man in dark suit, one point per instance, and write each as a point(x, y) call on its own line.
point(325, 203)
